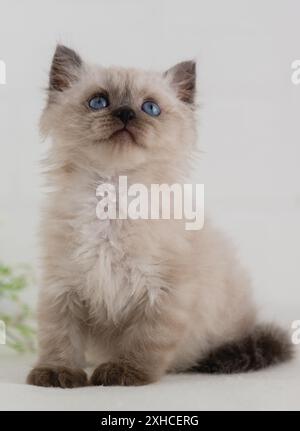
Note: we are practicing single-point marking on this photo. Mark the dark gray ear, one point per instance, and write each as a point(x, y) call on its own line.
point(182, 76)
point(65, 68)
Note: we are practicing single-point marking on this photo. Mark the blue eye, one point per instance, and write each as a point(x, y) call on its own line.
point(98, 102)
point(151, 108)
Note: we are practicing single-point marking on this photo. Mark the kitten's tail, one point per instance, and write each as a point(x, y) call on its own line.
point(266, 345)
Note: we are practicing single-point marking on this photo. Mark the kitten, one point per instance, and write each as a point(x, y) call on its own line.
point(142, 297)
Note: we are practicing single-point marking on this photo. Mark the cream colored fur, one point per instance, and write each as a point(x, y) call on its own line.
point(145, 292)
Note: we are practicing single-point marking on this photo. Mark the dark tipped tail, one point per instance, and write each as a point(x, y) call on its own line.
point(265, 346)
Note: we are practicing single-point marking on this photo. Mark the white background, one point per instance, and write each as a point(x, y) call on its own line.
point(248, 121)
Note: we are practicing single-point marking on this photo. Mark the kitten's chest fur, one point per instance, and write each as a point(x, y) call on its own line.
point(116, 279)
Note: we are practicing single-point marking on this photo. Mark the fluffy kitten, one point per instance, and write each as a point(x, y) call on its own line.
point(143, 297)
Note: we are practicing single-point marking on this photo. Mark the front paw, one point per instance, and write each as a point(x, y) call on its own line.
point(118, 374)
point(57, 377)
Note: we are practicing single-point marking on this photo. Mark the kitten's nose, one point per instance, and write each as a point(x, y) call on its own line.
point(125, 114)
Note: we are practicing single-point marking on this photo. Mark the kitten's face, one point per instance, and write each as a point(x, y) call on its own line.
point(118, 119)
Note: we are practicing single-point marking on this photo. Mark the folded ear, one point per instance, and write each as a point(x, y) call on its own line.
point(65, 68)
point(182, 77)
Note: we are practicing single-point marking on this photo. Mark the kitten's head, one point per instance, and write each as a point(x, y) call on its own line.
point(119, 119)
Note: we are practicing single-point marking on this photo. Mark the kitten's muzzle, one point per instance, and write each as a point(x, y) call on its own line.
point(125, 114)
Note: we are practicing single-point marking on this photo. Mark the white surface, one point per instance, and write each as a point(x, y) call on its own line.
point(276, 388)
